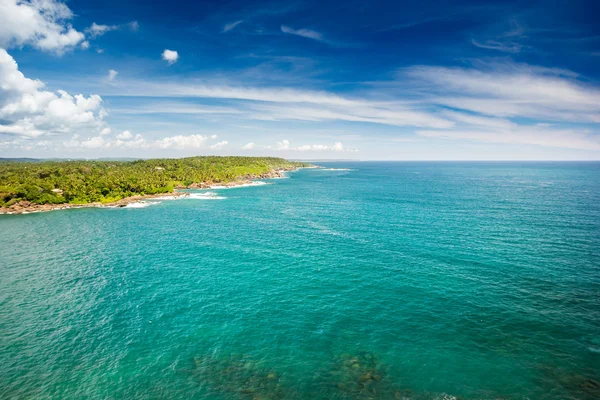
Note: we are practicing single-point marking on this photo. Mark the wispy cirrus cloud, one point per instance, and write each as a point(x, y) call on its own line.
point(230, 26)
point(507, 47)
point(509, 41)
point(306, 33)
point(277, 104)
point(500, 102)
point(525, 135)
point(511, 90)
point(96, 30)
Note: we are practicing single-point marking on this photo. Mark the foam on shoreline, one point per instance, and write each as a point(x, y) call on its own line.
point(249, 184)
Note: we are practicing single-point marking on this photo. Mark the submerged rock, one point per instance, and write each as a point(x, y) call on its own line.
point(576, 385)
point(242, 377)
point(360, 376)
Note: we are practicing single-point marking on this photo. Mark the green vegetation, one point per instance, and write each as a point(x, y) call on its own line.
point(79, 182)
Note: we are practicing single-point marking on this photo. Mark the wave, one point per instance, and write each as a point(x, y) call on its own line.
point(253, 183)
point(204, 196)
point(142, 204)
point(190, 196)
point(334, 169)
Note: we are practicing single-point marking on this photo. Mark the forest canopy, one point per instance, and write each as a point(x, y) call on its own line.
point(80, 182)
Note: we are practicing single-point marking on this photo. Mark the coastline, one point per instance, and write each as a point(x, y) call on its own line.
point(26, 207)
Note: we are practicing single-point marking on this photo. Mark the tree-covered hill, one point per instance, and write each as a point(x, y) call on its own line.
point(79, 182)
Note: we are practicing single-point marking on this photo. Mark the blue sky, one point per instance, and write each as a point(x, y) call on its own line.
point(390, 80)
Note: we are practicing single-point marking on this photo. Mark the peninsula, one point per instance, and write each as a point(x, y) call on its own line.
point(50, 185)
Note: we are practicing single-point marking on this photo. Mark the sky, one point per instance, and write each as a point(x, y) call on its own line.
point(376, 80)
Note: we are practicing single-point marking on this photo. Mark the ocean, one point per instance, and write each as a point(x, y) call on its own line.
point(363, 280)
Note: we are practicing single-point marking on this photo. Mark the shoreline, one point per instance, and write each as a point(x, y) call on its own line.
point(26, 207)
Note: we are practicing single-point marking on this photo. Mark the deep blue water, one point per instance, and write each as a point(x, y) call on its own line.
point(390, 280)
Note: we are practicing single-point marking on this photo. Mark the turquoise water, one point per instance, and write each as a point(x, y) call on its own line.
point(390, 280)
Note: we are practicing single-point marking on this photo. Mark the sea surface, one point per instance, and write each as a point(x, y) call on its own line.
point(362, 280)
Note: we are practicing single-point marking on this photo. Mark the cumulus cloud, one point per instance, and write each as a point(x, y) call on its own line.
point(40, 23)
point(336, 147)
point(126, 140)
point(283, 145)
point(181, 142)
point(85, 45)
point(307, 33)
point(112, 74)
point(95, 142)
point(125, 135)
point(231, 25)
point(28, 110)
point(248, 146)
point(219, 145)
point(170, 56)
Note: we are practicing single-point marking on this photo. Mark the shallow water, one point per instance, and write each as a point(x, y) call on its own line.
point(386, 280)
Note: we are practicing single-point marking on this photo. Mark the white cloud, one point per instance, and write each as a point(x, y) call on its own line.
point(307, 33)
point(96, 30)
point(134, 26)
point(535, 135)
point(96, 142)
point(219, 145)
point(231, 25)
point(170, 56)
point(511, 90)
point(181, 142)
point(248, 146)
point(28, 110)
point(125, 135)
point(480, 121)
point(507, 47)
point(39, 23)
point(112, 74)
point(213, 137)
point(126, 140)
point(105, 131)
point(294, 104)
point(85, 45)
point(285, 146)
point(336, 147)
point(493, 100)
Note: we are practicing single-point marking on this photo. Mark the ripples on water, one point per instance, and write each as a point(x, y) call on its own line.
point(388, 280)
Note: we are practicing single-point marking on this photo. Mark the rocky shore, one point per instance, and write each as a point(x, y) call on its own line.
point(246, 180)
point(26, 207)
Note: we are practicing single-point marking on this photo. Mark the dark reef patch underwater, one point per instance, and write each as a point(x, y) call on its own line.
point(412, 281)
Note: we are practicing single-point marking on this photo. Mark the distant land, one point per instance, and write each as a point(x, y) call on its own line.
point(326, 160)
point(29, 185)
point(25, 159)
